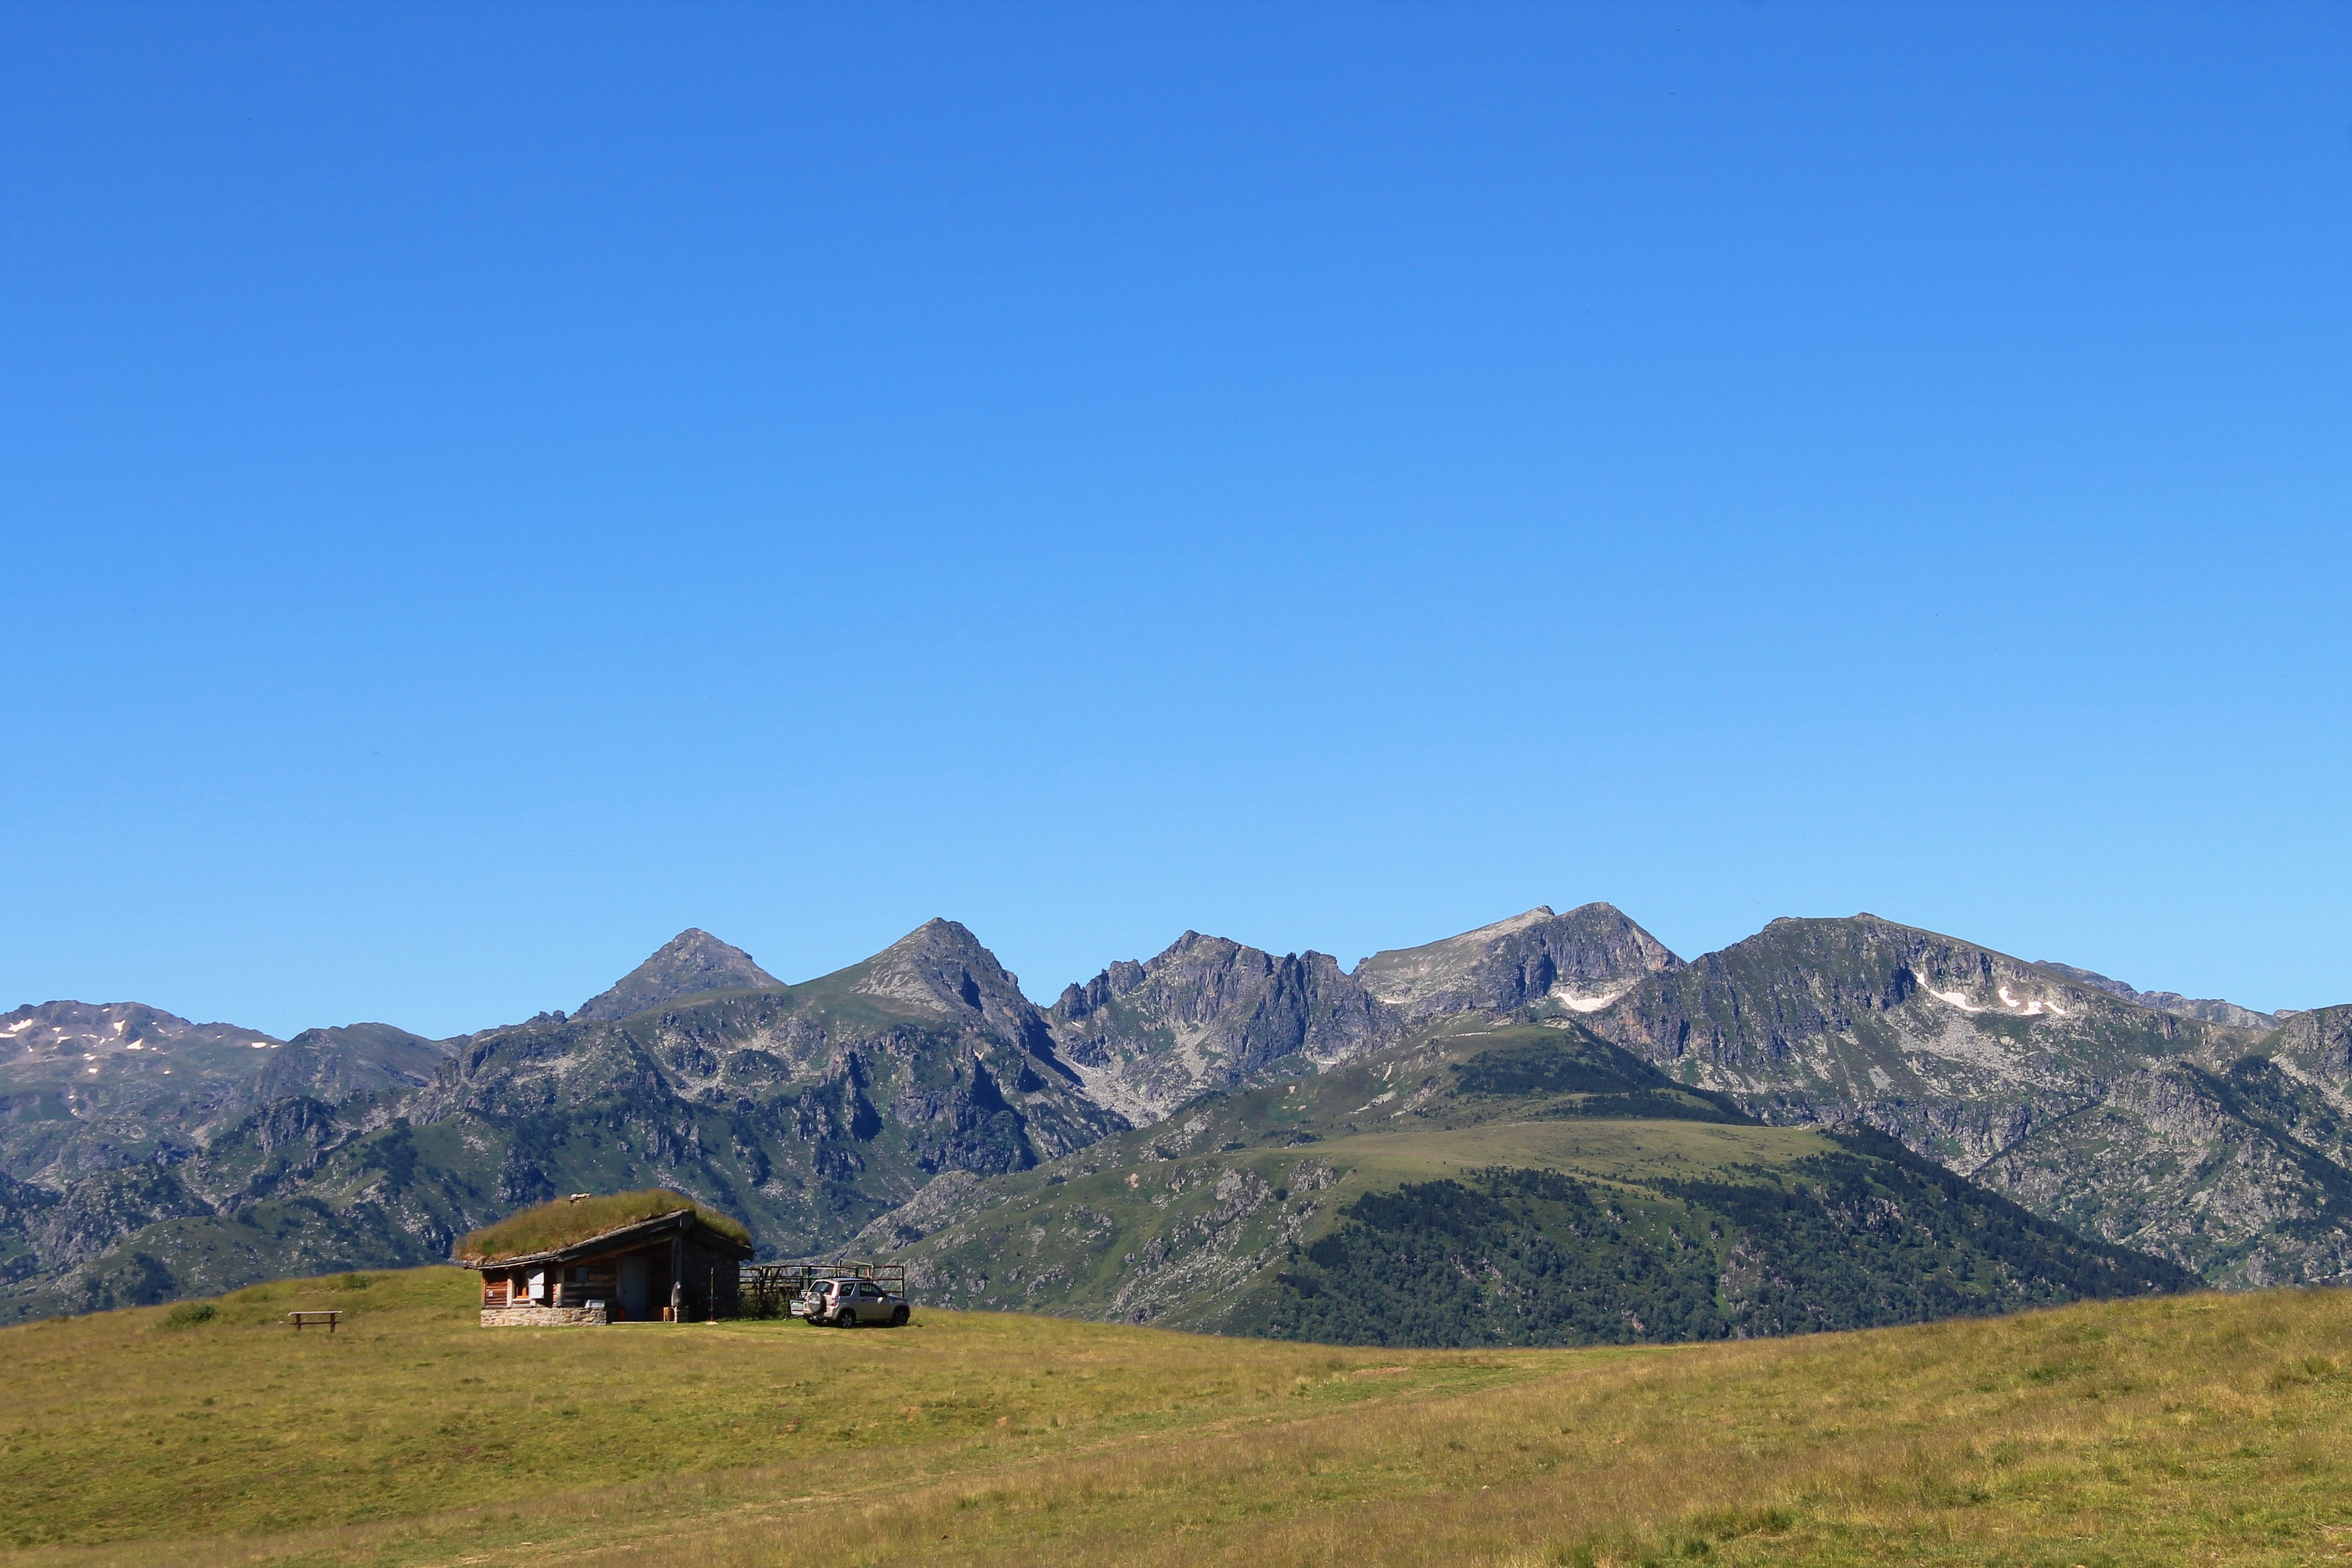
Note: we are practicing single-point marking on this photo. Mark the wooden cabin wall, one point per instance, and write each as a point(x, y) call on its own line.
point(577, 1284)
point(710, 1279)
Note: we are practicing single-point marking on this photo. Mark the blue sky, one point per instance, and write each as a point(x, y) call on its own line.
point(482, 488)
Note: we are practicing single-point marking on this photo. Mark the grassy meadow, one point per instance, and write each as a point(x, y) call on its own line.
point(2186, 1429)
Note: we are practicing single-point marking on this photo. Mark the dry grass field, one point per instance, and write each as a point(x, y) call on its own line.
point(2186, 1430)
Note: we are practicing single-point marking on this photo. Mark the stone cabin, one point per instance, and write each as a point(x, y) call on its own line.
point(673, 1268)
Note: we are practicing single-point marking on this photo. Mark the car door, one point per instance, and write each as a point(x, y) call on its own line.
point(869, 1302)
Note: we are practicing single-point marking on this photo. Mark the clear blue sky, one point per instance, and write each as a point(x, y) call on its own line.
point(483, 487)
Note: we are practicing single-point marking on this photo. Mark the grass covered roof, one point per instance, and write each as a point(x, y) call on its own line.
point(568, 1220)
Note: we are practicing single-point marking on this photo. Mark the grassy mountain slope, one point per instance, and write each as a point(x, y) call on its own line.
point(2183, 1429)
point(1495, 1184)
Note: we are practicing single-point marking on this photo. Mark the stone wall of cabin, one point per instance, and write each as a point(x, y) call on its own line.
point(544, 1317)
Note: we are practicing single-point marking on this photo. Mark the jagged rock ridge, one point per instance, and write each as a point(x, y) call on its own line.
point(2212, 1009)
point(1209, 1013)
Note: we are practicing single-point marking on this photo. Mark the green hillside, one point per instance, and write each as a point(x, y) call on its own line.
point(1494, 1184)
point(2179, 1429)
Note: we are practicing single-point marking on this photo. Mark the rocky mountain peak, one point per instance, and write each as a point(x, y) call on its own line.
point(1210, 1013)
point(941, 967)
point(1585, 959)
point(1518, 923)
point(691, 962)
point(1077, 1001)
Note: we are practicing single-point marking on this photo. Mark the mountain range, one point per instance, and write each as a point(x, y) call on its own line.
point(2086, 1136)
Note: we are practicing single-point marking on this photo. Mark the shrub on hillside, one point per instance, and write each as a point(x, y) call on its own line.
point(188, 1314)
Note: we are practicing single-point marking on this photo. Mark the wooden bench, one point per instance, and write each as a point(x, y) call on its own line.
point(329, 1319)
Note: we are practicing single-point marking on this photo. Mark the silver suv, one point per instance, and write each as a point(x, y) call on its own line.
point(845, 1303)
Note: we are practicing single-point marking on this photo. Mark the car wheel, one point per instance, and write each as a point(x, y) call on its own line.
point(898, 1319)
point(846, 1319)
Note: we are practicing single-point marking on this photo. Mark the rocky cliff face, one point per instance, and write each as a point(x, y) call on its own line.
point(2173, 1135)
point(1951, 1047)
point(1209, 1013)
point(2205, 1169)
point(691, 962)
point(1582, 961)
point(2315, 1049)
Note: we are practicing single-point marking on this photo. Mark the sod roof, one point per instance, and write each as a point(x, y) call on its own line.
point(567, 1221)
